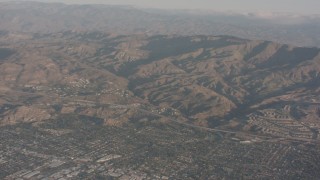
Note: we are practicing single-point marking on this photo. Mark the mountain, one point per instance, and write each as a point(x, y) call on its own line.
point(95, 105)
point(115, 92)
point(299, 30)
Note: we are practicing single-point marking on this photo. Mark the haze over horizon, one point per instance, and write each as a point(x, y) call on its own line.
point(291, 6)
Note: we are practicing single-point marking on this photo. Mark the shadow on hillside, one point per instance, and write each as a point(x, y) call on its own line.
point(5, 53)
point(256, 50)
point(290, 58)
point(162, 47)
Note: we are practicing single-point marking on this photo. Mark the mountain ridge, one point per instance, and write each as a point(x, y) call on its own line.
point(205, 78)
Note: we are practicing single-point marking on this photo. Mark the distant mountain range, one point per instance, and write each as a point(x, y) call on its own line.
point(299, 30)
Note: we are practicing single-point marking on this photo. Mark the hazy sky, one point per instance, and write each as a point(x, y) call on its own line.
point(298, 6)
